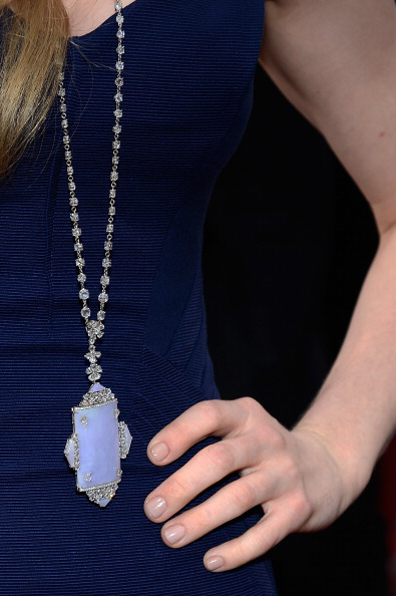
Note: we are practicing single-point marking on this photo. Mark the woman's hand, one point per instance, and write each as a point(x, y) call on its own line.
point(291, 474)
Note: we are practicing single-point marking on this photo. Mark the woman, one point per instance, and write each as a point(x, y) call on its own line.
point(187, 70)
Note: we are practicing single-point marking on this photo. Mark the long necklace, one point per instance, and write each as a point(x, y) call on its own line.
point(99, 441)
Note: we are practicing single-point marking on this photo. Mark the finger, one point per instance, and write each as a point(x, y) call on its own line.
point(206, 418)
point(227, 504)
point(207, 467)
point(284, 518)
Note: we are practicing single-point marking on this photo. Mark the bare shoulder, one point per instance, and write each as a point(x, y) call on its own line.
point(314, 23)
point(336, 62)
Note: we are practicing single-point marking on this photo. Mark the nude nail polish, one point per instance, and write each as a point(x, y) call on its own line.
point(159, 451)
point(155, 507)
point(214, 563)
point(174, 534)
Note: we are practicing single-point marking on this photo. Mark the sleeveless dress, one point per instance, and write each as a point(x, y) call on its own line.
point(189, 68)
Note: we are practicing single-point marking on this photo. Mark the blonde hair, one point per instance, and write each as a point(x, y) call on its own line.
point(33, 49)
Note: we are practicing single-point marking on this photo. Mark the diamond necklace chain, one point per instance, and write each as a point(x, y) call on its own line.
point(95, 327)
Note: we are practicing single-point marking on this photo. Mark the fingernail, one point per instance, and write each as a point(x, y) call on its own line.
point(155, 507)
point(159, 451)
point(214, 563)
point(174, 534)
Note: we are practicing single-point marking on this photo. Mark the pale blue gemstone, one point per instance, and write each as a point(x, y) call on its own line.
point(98, 444)
point(96, 387)
point(128, 439)
point(69, 451)
point(104, 502)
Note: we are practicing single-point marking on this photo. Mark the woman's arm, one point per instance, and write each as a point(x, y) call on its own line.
point(336, 61)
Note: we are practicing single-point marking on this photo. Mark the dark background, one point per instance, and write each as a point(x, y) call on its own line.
point(288, 242)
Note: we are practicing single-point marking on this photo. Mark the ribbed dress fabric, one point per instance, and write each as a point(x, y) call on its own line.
point(188, 75)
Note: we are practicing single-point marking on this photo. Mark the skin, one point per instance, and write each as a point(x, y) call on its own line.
point(86, 15)
point(336, 62)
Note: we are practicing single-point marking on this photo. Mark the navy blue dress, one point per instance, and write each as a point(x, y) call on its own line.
point(187, 98)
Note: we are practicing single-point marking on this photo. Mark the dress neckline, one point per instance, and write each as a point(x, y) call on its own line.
point(104, 23)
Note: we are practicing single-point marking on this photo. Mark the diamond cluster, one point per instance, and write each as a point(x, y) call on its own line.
point(102, 495)
point(125, 438)
point(72, 453)
point(97, 398)
point(95, 327)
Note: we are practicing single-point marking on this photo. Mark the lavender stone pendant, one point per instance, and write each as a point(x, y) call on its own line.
point(97, 445)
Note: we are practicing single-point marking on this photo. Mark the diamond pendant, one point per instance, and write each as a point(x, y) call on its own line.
point(98, 443)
